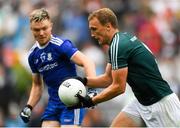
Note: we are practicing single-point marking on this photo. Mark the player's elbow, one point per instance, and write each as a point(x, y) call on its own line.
point(87, 63)
point(120, 89)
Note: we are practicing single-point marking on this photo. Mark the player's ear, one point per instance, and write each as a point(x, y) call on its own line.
point(51, 24)
point(108, 26)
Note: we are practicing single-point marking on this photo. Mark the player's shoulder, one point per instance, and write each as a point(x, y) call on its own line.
point(120, 39)
point(32, 49)
point(124, 38)
point(57, 41)
point(125, 42)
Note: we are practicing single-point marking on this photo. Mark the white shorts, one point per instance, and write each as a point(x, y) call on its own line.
point(165, 113)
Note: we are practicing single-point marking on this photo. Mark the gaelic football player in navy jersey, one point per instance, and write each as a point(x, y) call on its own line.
point(51, 60)
point(130, 61)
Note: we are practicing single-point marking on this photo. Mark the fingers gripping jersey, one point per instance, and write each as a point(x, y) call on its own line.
point(143, 73)
point(53, 63)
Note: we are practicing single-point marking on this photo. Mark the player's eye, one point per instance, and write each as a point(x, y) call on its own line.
point(36, 30)
point(93, 29)
point(44, 28)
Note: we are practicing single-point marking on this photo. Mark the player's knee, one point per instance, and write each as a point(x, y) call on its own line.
point(50, 124)
point(127, 120)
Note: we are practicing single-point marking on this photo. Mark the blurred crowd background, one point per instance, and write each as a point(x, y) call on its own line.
point(156, 22)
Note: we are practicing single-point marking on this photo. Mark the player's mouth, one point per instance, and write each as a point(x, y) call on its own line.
point(42, 38)
point(96, 38)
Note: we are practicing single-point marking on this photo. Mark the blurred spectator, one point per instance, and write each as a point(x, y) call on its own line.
point(74, 22)
point(148, 32)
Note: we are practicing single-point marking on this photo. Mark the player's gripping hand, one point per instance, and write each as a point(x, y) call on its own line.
point(92, 92)
point(26, 113)
point(83, 102)
point(83, 80)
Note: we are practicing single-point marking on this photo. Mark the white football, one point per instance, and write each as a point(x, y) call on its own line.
point(69, 89)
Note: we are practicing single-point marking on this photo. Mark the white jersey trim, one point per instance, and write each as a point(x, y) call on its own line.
point(56, 41)
point(74, 54)
point(41, 47)
point(32, 49)
point(53, 40)
point(76, 116)
point(114, 52)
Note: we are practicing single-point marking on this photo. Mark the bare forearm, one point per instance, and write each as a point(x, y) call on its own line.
point(101, 81)
point(89, 69)
point(83, 61)
point(35, 95)
point(107, 94)
point(117, 87)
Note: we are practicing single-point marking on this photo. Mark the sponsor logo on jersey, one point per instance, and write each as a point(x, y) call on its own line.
point(49, 56)
point(43, 57)
point(48, 67)
point(46, 56)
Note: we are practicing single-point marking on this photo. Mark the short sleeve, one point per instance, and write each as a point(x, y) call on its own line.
point(31, 64)
point(68, 48)
point(119, 52)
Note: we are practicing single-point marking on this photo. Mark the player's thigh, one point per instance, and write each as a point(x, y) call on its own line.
point(70, 126)
point(49, 123)
point(124, 119)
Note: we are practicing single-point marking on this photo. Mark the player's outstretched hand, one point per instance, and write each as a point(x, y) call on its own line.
point(25, 114)
point(83, 102)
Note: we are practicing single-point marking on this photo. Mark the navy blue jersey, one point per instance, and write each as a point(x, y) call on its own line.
point(53, 63)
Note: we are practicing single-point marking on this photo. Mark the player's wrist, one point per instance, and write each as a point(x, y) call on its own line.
point(82, 79)
point(25, 114)
point(85, 80)
point(29, 106)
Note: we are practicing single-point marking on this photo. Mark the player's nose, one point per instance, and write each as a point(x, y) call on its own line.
point(41, 32)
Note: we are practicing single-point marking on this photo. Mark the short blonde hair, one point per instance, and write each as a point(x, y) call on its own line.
point(104, 15)
point(39, 15)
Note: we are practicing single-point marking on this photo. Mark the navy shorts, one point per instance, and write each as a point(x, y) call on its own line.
point(57, 111)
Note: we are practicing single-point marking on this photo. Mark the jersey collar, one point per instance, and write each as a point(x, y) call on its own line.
point(113, 38)
point(42, 47)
